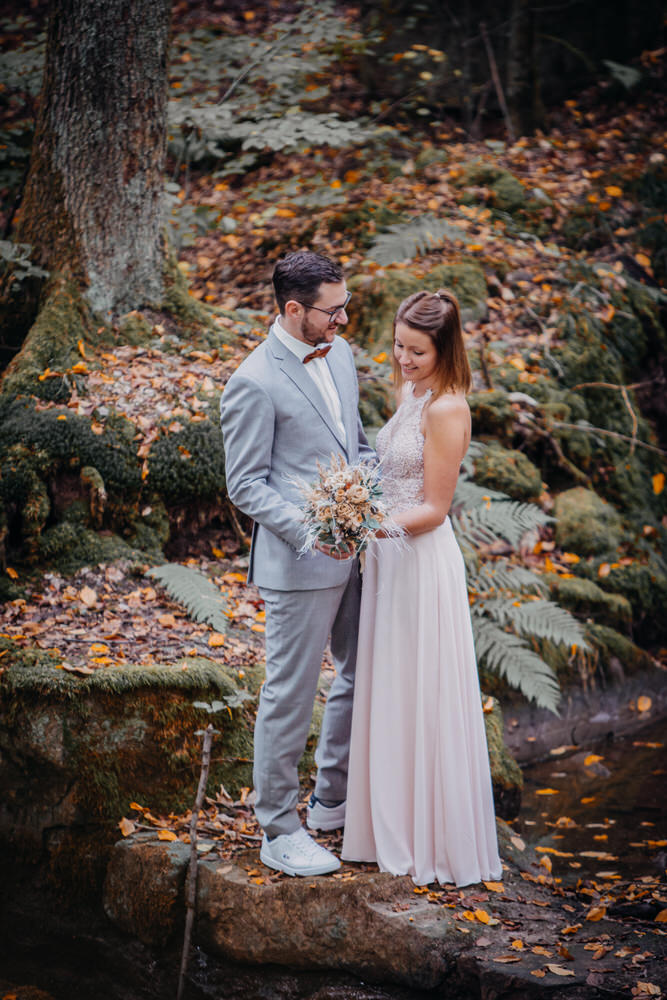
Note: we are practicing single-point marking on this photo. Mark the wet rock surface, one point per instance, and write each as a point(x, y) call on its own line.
point(518, 938)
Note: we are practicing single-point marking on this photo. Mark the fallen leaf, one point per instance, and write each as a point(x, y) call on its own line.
point(216, 639)
point(126, 827)
point(662, 917)
point(547, 791)
point(167, 621)
point(643, 703)
point(507, 958)
point(166, 835)
point(558, 970)
point(88, 596)
point(494, 886)
point(596, 913)
point(592, 758)
point(540, 973)
point(658, 483)
point(12, 573)
point(517, 944)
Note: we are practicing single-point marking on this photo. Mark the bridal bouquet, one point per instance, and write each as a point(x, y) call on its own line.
point(345, 507)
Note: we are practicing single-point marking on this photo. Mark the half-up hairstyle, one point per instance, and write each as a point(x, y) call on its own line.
point(437, 314)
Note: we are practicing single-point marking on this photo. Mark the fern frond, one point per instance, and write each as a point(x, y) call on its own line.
point(509, 519)
point(501, 574)
point(469, 494)
point(543, 619)
point(508, 655)
point(194, 591)
point(405, 240)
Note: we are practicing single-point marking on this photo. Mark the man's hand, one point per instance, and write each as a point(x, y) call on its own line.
point(333, 552)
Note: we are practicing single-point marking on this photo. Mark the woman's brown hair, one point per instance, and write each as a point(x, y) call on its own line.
point(437, 314)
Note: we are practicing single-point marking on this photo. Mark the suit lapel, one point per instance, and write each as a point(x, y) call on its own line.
point(296, 371)
point(340, 372)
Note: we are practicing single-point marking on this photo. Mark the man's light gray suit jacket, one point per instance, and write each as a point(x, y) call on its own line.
point(276, 425)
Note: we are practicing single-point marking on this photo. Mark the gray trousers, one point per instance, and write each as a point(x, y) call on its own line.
point(298, 625)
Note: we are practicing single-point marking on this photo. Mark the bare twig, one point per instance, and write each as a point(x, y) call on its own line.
point(191, 882)
point(614, 434)
point(496, 83)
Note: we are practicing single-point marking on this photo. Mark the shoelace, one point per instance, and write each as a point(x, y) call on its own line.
point(305, 844)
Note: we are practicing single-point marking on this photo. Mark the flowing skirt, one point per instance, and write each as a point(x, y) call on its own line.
point(419, 799)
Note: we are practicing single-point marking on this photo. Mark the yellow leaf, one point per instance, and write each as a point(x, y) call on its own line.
point(517, 944)
point(545, 862)
point(482, 916)
point(558, 970)
point(572, 929)
point(166, 835)
point(547, 791)
point(604, 569)
point(62, 417)
point(570, 557)
point(641, 258)
point(596, 913)
point(518, 362)
point(613, 191)
point(82, 348)
point(658, 483)
point(643, 703)
point(285, 213)
point(382, 357)
point(135, 805)
point(468, 915)
point(586, 801)
point(126, 827)
point(80, 368)
point(218, 553)
point(662, 917)
point(592, 758)
point(216, 639)
point(98, 648)
point(494, 886)
point(336, 184)
point(12, 572)
point(167, 621)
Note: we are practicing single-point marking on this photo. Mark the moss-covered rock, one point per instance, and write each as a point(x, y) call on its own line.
point(612, 645)
point(586, 600)
point(509, 471)
point(88, 746)
point(506, 192)
point(505, 772)
point(492, 415)
point(378, 297)
point(188, 465)
point(644, 585)
point(585, 523)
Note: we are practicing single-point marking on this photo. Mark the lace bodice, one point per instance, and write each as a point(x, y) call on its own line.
point(400, 448)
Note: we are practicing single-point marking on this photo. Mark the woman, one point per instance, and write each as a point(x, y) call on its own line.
point(419, 798)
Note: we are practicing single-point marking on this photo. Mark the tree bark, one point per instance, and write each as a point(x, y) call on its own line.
point(523, 83)
point(92, 207)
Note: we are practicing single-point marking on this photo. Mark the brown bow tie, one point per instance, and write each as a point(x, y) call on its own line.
point(321, 352)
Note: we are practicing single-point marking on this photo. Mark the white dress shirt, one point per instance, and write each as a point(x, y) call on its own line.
point(319, 371)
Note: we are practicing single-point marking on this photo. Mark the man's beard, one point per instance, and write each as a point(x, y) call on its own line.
point(310, 334)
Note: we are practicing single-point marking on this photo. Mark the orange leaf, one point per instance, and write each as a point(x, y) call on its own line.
point(12, 572)
point(547, 791)
point(216, 639)
point(382, 357)
point(82, 348)
point(126, 827)
point(604, 569)
point(641, 258)
point(596, 913)
point(643, 703)
point(80, 368)
point(517, 944)
point(613, 191)
point(592, 758)
point(167, 621)
point(661, 917)
point(658, 483)
point(494, 886)
point(98, 648)
point(166, 835)
point(482, 916)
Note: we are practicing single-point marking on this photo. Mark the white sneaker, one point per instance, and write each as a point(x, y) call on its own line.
point(297, 854)
point(321, 817)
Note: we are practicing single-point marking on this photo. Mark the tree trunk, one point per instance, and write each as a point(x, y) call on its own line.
point(92, 207)
point(523, 84)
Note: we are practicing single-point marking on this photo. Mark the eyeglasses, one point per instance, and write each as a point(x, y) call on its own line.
point(331, 313)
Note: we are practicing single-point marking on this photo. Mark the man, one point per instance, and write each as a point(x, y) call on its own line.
point(288, 406)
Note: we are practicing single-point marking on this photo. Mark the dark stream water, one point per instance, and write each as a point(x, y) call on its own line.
point(605, 805)
point(606, 816)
